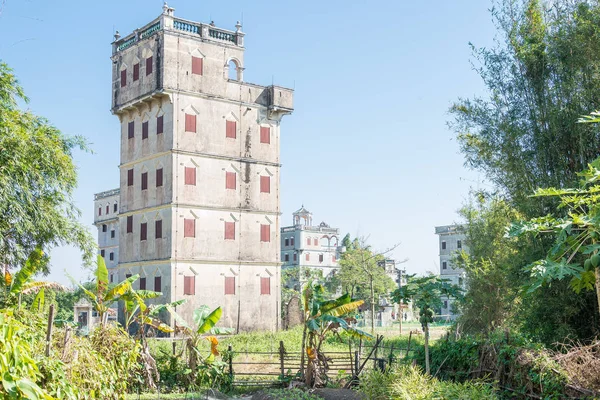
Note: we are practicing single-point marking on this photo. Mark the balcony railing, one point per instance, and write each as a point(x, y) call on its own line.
point(178, 24)
point(106, 194)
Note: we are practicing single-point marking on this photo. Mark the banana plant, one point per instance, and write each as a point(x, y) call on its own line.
point(323, 317)
point(20, 283)
point(105, 294)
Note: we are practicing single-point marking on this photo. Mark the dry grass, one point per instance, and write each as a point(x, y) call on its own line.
point(581, 364)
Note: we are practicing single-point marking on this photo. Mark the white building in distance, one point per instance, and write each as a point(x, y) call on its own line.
point(451, 241)
point(198, 203)
point(310, 247)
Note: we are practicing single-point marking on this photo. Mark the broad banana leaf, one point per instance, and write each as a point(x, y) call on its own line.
point(221, 331)
point(328, 305)
point(120, 289)
point(148, 294)
point(210, 321)
point(27, 271)
point(38, 302)
point(200, 314)
point(344, 309)
point(170, 307)
point(357, 333)
point(101, 277)
point(30, 287)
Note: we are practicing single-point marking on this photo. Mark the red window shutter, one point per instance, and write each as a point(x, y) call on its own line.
point(291, 241)
point(197, 65)
point(333, 258)
point(130, 177)
point(148, 65)
point(316, 241)
point(144, 180)
point(265, 233)
point(130, 130)
point(136, 72)
point(190, 123)
point(265, 134)
point(265, 285)
point(230, 180)
point(107, 209)
point(189, 227)
point(144, 130)
point(230, 129)
point(307, 256)
point(287, 242)
point(143, 231)
point(142, 283)
point(265, 184)
point(159, 177)
point(190, 176)
point(158, 229)
point(308, 242)
point(130, 224)
point(99, 210)
point(230, 285)
point(115, 207)
point(189, 285)
point(124, 78)
point(157, 284)
point(230, 230)
point(320, 258)
point(159, 125)
point(295, 257)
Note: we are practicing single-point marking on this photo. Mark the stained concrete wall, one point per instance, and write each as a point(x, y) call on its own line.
point(172, 91)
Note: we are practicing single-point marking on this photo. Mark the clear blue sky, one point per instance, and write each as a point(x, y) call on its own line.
point(367, 148)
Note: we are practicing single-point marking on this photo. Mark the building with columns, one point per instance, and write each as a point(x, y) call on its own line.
point(451, 241)
point(198, 205)
point(317, 247)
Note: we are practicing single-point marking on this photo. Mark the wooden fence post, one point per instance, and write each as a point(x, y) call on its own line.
point(281, 354)
point(49, 330)
point(391, 358)
point(356, 362)
point(230, 350)
point(408, 347)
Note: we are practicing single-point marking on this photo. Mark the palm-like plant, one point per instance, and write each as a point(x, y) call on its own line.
point(14, 286)
point(105, 295)
point(426, 293)
point(323, 317)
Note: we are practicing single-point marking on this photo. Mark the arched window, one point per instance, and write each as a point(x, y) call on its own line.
point(233, 70)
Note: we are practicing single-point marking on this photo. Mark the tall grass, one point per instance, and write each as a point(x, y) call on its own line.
point(410, 383)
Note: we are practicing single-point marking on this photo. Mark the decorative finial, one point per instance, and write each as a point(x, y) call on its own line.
point(238, 27)
point(117, 35)
point(165, 8)
point(212, 23)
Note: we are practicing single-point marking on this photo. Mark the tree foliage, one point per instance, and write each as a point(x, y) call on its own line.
point(357, 265)
point(37, 180)
point(540, 78)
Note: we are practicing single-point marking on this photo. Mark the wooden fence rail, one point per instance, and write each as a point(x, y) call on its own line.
point(263, 368)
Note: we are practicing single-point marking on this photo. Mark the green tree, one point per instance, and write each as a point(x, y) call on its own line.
point(575, 254)
point(37, 179)
point(362, 276)
point(426, 294)
point(540, 77)
point(492, 265)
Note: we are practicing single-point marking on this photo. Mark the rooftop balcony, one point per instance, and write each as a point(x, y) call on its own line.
point(107, 193)
point(310, 228)
point(167, 22)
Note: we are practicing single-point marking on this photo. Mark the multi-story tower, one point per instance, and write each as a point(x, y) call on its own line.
point(106, 219)
point(451, 241)
point(199, 198)
point(308, 246)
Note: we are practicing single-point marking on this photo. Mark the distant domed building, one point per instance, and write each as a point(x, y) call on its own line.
point(308, 246)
